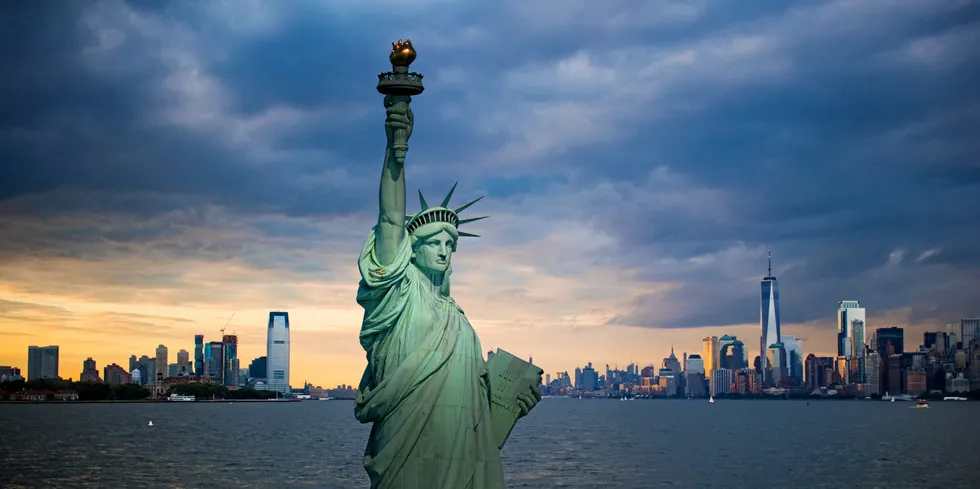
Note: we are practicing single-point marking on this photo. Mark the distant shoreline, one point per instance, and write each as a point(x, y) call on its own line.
point(156, 401)
point(747, 398)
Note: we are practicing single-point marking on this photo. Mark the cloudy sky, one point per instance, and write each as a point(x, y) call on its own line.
point(164, 167)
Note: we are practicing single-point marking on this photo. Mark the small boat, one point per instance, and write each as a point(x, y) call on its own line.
point(922, 404)
point(178, 397)
point(151, 423)
point(711, 400)
point(953, 398)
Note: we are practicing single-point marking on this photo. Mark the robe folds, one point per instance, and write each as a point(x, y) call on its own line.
point(425, 388)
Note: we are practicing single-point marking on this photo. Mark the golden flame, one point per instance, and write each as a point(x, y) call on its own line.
point(402, 53)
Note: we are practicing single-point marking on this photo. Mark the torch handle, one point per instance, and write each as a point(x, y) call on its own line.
point(399, 140)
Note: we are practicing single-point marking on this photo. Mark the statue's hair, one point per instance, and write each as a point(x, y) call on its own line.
point(429, 230)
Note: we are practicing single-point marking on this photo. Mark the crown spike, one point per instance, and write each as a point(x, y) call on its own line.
point(468, 235)
point(445, 202)
point(464, 206)
point(464, 221)
point(422, 201)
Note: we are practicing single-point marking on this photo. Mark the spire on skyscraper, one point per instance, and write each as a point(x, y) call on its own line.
point(769, 319)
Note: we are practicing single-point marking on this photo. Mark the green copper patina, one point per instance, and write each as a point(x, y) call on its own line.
point(440, 413)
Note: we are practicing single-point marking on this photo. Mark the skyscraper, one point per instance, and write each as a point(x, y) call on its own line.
point(89, 372)
point(857, 339)
point(709, 353)
point(850, 329)
point(769, 315)
point(969, 331)
point(872, 373)
point(161, 363)
point(277, 352)
point(42, 362)
point(199, 354)
point(147, 369)
point(214, 361)
point(590, 378)
point(258, 368)
point(732, 355)
point(890, 336)
point(671, 362)
point(184, 365)
point(723, 344)
point(230, 363)
point(116, 375)
point(953, 334)
point(794, 357)
point(33, 362)
point(777, 364)
point(695, 364)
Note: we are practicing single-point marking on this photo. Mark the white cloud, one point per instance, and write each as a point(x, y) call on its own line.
point(595, 96)
point(928, 253)
point(612, 15)
point(942, 50)
point(252, 18)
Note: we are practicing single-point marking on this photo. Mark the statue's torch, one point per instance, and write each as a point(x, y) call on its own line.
point(400, 85)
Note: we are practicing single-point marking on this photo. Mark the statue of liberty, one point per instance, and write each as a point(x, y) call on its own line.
point(426, 388)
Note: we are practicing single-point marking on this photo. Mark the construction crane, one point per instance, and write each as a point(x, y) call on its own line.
point(226, 324)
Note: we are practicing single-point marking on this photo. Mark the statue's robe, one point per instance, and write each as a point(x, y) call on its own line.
point(425, 388)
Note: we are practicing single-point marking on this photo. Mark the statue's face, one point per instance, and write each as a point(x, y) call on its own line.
point(434, 253)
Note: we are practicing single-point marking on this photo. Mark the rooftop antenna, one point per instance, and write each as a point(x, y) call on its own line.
point(770, 261)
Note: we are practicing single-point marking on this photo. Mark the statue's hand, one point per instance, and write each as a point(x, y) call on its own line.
point(400, 117)
point(528, 400)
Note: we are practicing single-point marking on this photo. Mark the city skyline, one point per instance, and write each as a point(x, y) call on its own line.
point(281, 379)
point(174, 166)
point(940, 354)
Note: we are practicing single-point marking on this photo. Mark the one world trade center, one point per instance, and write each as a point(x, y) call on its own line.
point(769, 317)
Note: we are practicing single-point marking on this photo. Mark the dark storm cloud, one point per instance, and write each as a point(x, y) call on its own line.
point(67, 124)
point(860, 156)
point(835, 132)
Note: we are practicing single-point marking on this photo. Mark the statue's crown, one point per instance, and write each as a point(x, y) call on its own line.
point(441, 213)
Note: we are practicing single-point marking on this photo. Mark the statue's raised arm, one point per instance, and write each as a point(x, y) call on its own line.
point(398, 86)
point(391, 193)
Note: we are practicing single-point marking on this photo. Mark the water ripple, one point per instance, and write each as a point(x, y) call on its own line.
point(565, 443)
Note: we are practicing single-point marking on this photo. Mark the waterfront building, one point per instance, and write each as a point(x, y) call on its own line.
point(277, 353)
point(42, 362)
